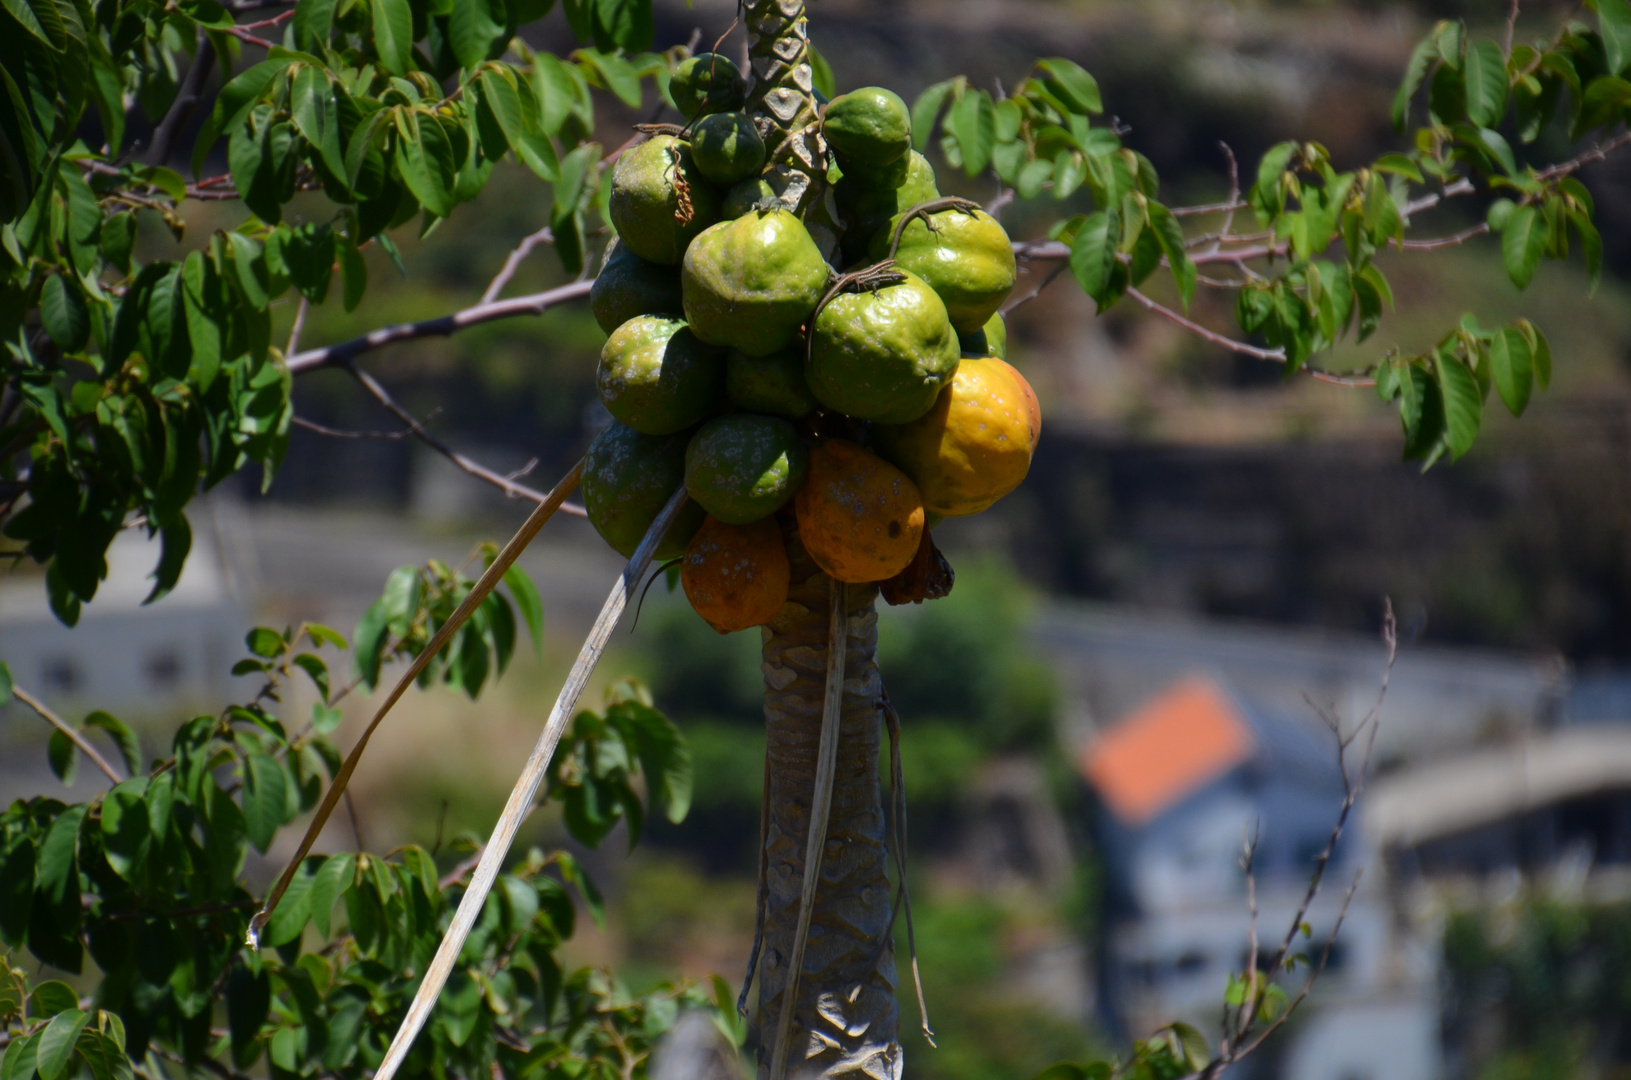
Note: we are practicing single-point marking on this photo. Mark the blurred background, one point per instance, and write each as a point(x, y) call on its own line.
point(1147, 642)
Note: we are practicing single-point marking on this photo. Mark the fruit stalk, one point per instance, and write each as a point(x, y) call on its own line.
point(781, 101)
point(845, 1014)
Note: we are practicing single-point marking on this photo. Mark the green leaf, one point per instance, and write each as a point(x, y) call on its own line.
point(527, 599)
point(57, 1043)
point(308, 252)
point(1093, 254)
point(474, 31)
point(1522, 244)
point(615, 73)
point(393, 34)
point(1421, 58)
point(6, 685)
point(265, 642)
point(973, 121)
point(354, 273)
point(249, 263)
point(24, 14)
point(264, 798)
point(51, 998)
point(19, 1059)
point(821, 75)
point(1463, 403)
point(176, 541)
point(1484, 76)
point(63, 756)
point(425, 159)
point(126, 832)
point(64, 314)
point(1512, 368)
point(517, 116)
point(1170, 235)
point(926, 110)
point(330, 883)
point(625, 24)
point(238, 96)
point(1071, 83)
point(130, 748)
point(1614, 19)
point(313, 22)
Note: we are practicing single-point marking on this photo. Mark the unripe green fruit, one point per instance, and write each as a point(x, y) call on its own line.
point(744, 467)
point(727, 148)
point(647, 208)
point(989, 340)
point(706, 83)
point(867, 209)
point(745, 198)
point(966, 257)
point(883, 354)
point(771, 384)
point(750, 283)
point(656, 377)
point(870, 128)
point(627, 480)
point(628, 285)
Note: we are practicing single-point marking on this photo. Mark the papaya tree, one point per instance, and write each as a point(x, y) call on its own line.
point(806, 373)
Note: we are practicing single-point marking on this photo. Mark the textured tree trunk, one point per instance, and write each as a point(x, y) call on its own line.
point(845, 1015)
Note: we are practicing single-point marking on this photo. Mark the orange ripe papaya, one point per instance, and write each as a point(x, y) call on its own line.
point(736, 576)
point(861, 519)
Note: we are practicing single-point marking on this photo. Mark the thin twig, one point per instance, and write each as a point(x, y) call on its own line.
point(504, 483)
point(356, 826)
point(1241, 347)
point(1511, 28)
point(340, 433)
point(524, 792)
point(815, 840)
point(546, 235)
point(478, 592)
point(73, 736)
point(299, 325)
point(1034, 293)
point(532, 304)
point(897, 780)
point(763, 899)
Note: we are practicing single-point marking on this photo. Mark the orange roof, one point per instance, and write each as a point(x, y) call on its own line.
point(1191, 734)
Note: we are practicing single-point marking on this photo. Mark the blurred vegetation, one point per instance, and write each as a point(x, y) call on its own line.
point(1537, 989)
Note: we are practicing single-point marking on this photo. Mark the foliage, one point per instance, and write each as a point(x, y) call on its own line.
point(1536, 988)
point(149, 877)
point(135, 384)
point(1480, 100)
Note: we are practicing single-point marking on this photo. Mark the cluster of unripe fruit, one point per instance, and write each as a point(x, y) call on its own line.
point(743, 365)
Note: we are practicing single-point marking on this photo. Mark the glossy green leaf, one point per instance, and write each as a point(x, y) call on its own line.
point(1484, 76)
point(56, 1047)
point(1070, 82)
point(1614, 21)
point(130, 748)
point(425, 160)
point(239, 95)
point(1522, 244)
point(530, 604)
point(1093, 253)
point(64, 314)
point(1170, 235)
point(475, 28)
point(63, 757)
point(973, 121)
point(393, 34)
point(1512, 368)
point(1463, 403)
point(52, 997)
point(264, 798)
point(926, 110)
point(126, 832)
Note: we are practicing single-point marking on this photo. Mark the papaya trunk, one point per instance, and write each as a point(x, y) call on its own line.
point(845, 1013)
point(781, 101)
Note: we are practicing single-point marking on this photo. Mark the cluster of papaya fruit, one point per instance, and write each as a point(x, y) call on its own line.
point(742, 364)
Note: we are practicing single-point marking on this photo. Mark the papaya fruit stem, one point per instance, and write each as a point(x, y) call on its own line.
point(478, 592)
point(525, 790)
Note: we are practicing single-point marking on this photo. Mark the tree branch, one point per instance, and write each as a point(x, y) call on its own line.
point(505, 484)
point(532, 304)
point(164, 136)
point(73, 736)
point(543, 236)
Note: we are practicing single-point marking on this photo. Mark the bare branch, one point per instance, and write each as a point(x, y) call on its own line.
point(481, 472)
point(73, 736)
point(337, 433)
point(1275, 355)
point(532, 304)
point(1511, 28)
point(299, 325)
point(543, 236)
point(1034, 293)
point(187, 95)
